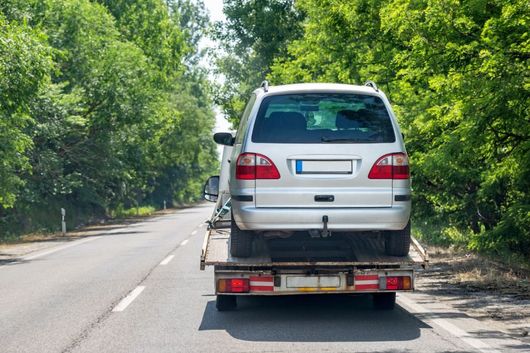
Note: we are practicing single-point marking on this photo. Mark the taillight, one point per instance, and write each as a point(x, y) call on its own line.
point(233, 285)
point(396, 283)
point(390, 166)
point(251, 166)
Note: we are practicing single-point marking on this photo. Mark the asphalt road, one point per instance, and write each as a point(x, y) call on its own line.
point(139, 289)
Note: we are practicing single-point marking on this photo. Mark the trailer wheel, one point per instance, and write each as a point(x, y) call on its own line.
point(384, 301)
point(240, 241)
point(226, 302)
point(397, 242)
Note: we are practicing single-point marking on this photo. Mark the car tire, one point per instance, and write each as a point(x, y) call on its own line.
point(384, 301)
point(226, 302)
point(240, 241)
point(397, 242)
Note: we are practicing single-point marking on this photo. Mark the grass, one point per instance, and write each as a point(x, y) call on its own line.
point(141, 211)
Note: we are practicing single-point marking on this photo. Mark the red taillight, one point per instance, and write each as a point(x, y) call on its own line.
point(233, 285)
point(398, 282)
point(251, 166)
point(390, 166)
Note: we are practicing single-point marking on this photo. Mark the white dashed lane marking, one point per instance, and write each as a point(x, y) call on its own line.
point(124, 303)
point(167, 260)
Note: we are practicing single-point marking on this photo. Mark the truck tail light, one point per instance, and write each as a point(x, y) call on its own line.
point(390, 166)
point(398, 282)
point(252, 166)
point(233, 285)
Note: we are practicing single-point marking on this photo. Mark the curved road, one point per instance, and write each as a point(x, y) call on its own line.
point(139, 289)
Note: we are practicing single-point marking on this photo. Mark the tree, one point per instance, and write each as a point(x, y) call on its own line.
point(255, 33)
point(94, 97)
point(458, 75)
point(25, 65)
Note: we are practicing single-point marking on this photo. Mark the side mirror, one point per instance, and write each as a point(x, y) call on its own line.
point(211, 188)
point(224, 138)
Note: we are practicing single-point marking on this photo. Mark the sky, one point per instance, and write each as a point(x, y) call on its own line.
point(215, 7)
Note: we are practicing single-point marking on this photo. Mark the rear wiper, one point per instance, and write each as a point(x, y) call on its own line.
point(344, 140)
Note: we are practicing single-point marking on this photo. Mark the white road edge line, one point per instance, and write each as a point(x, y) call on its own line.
point(194, 232)
point(166, 260)
point(184, 242)
point(449, 327)
point(58, 248)
point(124, 303)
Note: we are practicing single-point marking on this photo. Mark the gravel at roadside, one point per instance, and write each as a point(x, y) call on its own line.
point(481, 288)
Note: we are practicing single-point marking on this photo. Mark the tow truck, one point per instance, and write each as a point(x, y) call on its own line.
point(301, 264)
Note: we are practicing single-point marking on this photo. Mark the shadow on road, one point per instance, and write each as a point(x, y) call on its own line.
point(312, 319)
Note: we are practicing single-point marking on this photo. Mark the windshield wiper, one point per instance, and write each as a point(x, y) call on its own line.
point(343, 140)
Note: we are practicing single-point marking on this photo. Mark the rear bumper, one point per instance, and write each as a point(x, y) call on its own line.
point(301, 283)
point(249, 217)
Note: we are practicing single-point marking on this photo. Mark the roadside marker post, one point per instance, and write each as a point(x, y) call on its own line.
point(63, 223)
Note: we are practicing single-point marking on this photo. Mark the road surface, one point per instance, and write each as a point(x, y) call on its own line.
point(139, 289)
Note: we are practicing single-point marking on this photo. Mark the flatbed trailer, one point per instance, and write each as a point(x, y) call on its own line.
point(340, 264)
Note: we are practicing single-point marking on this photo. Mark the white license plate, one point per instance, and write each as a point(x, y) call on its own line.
point(313, 281)
point(323, 167)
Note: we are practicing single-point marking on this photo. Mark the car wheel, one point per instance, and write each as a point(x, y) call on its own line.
point(226, 302)
point(384, 301)
point(240, 241)
point(397, 242)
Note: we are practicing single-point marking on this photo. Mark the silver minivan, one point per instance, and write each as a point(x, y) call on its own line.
point(318, 158)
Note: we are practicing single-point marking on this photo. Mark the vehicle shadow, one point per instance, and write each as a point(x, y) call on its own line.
point(312, 318)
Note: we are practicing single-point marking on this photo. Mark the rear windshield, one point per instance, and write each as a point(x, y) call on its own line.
point(323, 118)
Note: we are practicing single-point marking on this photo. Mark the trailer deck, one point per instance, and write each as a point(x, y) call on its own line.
point(300, 250)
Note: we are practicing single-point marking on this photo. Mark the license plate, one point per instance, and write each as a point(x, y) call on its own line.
point(323, 167)
point(313, 281)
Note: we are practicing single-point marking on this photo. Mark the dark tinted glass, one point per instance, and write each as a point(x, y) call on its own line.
point(323, 118)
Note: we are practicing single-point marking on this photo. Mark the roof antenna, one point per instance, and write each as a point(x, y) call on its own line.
point(265, 86)
point(371, 84)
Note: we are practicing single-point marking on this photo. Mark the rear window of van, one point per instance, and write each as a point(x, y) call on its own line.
point(323, 118)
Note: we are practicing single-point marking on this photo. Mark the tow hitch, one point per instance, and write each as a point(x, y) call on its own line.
point(321, 233)
point(325, 232)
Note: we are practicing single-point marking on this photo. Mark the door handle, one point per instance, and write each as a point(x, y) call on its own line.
point(324, 198)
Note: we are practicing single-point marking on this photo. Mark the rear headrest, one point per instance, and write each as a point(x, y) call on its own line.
point(286, 120)
point(350, 119)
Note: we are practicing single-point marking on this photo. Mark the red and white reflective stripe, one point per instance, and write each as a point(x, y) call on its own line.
point(261, 284)
point(366, 282)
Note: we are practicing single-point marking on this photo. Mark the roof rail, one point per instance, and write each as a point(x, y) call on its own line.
point(371, 84)
point(265, 86)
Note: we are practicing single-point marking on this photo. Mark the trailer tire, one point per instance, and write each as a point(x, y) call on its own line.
point(240, 241)
point(384, 301)
point(397, 242)
point(226, 302)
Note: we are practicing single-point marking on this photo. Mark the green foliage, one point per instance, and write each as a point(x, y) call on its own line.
point(25, 64)
point(458, 73)
point(99, 111)
point(255, 33)
point(120, 212)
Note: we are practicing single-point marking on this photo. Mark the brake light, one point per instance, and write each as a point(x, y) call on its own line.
point(251, 166)
point(233, 285)
point(390, 166)
point(398, 282)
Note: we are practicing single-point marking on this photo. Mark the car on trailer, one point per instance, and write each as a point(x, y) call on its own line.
point(320, 158)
